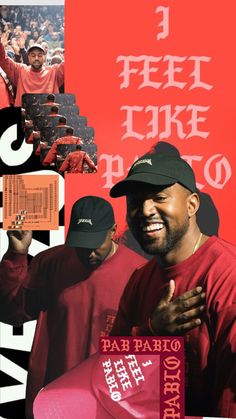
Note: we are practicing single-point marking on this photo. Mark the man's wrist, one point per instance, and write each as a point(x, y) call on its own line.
point(17, 252)
point(142, 330)
point(19, 258)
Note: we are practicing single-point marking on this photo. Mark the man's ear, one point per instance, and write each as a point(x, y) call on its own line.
point(193, 202)
point(113, 230)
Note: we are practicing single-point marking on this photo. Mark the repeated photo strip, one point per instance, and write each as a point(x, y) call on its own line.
point(59, 134)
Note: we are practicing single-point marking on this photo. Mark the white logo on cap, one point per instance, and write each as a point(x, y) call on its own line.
point(85, 220)
point(148, 161)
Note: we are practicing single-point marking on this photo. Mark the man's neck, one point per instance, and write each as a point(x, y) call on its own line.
point(114, 248)
point(183, 250)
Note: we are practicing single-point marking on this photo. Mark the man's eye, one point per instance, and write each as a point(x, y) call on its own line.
point(159, 198)
point(133, 203)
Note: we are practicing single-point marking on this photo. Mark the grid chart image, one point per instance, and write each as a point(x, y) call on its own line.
point(30, 202)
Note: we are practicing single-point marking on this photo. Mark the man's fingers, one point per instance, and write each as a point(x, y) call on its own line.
point(190, 315)
point(189, 299)
point(18, 234)
point(189, 294)
point(168, 294)
point(176, 317)
point(186, 327)
point(182, 306)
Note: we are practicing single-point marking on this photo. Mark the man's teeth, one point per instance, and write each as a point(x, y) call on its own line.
point(153, 227)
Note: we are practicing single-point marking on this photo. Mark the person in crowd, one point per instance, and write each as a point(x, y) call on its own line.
point(58, 51)
point(56, 59)
point(50, 31)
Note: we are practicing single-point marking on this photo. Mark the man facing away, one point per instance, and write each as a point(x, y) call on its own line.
point(73, 290)
point(188, 288)
point(75, 161)
point(50, 101)
point(35, 77)
point(68, 138)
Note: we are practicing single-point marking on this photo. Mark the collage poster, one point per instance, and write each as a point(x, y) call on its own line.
point(122, 79)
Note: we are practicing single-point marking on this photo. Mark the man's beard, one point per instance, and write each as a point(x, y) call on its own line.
point(152, 246)
point(37, 66)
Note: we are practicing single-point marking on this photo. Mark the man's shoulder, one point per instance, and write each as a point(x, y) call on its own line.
point(22, 67)
point(220, 278)
point(74, 140)
point(55, 252)
point(54, 67)
point(78, 154)
point(59, 140)
point(224, 249)
point(230, 247)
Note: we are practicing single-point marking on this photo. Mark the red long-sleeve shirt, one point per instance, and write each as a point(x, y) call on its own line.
point(74, 162)
point(52, 154)
point(4, 94)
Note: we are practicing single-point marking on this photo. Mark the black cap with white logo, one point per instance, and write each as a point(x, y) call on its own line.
point(157, 170)
point(91, 218)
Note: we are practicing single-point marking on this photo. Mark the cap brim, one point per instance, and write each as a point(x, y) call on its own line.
point(131, 183)
point(36, 47)
point(86, 239)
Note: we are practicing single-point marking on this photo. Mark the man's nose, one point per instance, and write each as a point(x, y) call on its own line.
point(148, 208)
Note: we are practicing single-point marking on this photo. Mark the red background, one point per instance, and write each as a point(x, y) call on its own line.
point(97, 32)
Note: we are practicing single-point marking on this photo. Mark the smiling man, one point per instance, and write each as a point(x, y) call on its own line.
point(73, 290)
point(188, 288)
point(35, 77)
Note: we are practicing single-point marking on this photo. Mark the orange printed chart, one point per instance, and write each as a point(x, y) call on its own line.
point(30, 202)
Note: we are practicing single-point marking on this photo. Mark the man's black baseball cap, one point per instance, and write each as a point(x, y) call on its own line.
point(156, 169)
point(91, 218)
point(38, 46)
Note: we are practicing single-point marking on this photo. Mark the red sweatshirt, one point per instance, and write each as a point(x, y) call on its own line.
point(26, 80)
point(52, 154)
point(4, 94)
point(74, 162)
point(73, 306)
point(211, 348)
